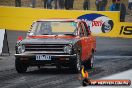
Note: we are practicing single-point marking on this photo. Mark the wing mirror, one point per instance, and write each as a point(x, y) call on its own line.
point(20, 38)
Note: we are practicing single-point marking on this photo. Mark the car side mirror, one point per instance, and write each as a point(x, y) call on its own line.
point(20, 38)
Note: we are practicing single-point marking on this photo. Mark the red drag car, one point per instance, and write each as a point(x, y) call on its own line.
point(59, 42)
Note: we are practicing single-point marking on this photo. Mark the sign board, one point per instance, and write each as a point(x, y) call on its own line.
point(2, 34)
point(101, 23)
point(4, 48)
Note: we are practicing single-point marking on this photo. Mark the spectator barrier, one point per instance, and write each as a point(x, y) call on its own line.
point(4, 48)
point(101, 23)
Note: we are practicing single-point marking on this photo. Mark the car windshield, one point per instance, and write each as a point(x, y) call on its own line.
point(53, 28)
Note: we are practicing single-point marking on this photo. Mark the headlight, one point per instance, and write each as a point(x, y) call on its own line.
point(68, 49)
point(21, 49)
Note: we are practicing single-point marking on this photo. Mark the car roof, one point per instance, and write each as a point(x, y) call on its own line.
point(41, 20)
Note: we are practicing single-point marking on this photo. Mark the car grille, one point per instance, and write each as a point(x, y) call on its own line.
point(46, 48)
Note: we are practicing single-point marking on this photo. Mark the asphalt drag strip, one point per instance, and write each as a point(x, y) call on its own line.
point(113, 56)
point(50, 77)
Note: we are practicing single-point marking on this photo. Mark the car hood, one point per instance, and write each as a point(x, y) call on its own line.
point(49, 41)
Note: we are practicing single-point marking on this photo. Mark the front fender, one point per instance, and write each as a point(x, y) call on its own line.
point(78, 48)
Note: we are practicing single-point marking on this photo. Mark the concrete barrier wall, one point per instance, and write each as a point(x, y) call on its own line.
point(12, 39)
point(102, 23)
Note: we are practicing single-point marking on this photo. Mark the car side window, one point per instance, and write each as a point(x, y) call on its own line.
point(84, 29)
point(81, 30)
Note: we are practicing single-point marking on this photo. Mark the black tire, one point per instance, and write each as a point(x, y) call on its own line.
point(39, 67)
point(84, 82)
point(75, 66)
point(58, 68)
point(20, 67)
point(89, 62)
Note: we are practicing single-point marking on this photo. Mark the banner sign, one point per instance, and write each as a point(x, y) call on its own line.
point(101, 23)
point(2, 33)
point(125, 30)
point(98, 23)
point(4, 48)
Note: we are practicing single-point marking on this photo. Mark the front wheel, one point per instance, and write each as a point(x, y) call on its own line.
point(20, 67)
point(76, 64)
point(89, 63)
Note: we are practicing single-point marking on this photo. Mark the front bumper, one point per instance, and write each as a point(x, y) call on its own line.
point(52, 55)
point(56, 59)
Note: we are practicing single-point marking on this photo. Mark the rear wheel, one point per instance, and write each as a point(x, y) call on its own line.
point(76, 64)
point(20, 67)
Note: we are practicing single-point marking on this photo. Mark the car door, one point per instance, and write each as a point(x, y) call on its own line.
point(88, 40)
point(83, 42)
